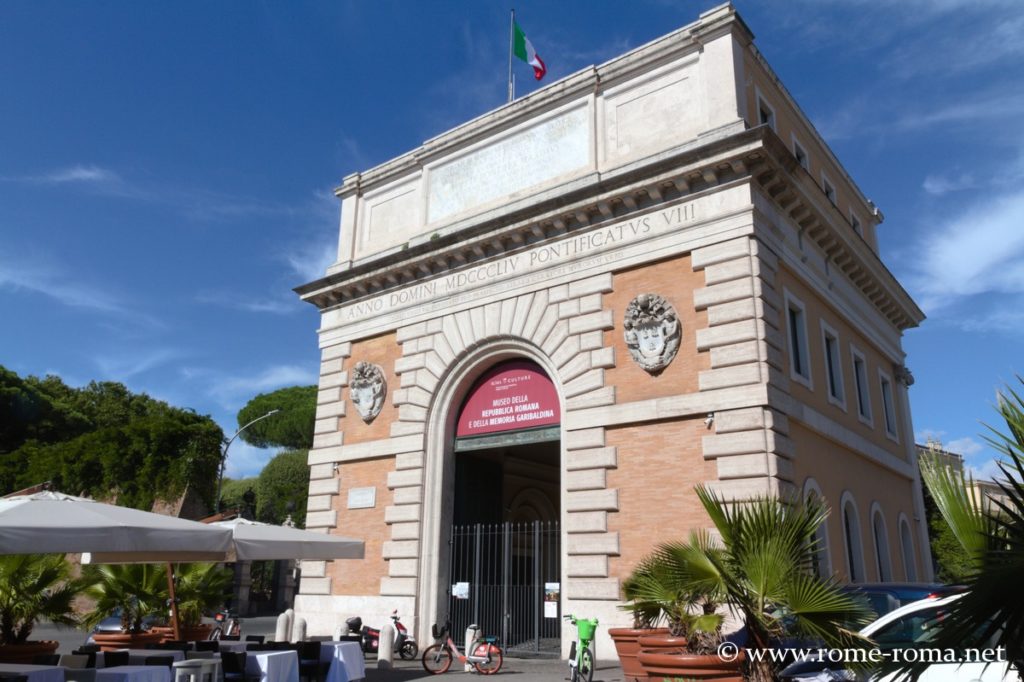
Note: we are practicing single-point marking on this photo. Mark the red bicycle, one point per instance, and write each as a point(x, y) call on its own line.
point(484, 653)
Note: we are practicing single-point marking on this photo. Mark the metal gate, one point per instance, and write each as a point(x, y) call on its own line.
point(505, 578)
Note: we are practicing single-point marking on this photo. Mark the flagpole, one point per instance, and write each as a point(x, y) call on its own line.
point(511, 40)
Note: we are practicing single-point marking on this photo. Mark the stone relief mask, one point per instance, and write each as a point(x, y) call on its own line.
point(367, 390)
point(652, 331)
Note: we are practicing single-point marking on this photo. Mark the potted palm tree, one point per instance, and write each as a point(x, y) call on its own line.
point(133, 592)
point(645, 617)
point(198, 588)
point(33, 587)
point(765, 572)
point(679, 577)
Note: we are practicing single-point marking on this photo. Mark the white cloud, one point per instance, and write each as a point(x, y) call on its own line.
point(980, 251)
point(20, 273)
point(233, 391)
point(80, 173)
point(309, 261)
point(245, 460)
point(943, 184)
point(284, 305)
point(966, 446)
point(127, 363)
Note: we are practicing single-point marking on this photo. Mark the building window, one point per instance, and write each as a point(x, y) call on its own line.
point(888, 407)
point(829, 189)
point(907, 545)
point(765, 114)
point(851, 536)
point(855, 224)
point(821, 564)
point(882, 561)
point(860, 380)
point(801, 155)
point(833, 366)
point(796, 326)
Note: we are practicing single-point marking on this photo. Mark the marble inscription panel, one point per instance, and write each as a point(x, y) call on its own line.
point(540, 153)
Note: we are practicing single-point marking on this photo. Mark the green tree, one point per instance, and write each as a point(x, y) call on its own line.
point(291, 428)
point(102, 440)
point(233, 490)
point(284, 479)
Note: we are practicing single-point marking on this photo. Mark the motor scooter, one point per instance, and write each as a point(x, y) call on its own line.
point(405, 646)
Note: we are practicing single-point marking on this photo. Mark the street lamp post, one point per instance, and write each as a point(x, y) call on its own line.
point(224, 454)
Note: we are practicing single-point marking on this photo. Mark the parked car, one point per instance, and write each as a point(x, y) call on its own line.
point(887, 597)
point(908, 627)
point(112, 625)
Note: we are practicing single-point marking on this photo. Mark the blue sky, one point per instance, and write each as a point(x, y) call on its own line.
point(166, 169)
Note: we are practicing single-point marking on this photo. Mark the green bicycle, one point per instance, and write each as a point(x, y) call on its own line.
point(581, 655)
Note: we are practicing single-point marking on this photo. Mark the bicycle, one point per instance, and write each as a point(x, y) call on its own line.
point(227, 625)
point(581, 655)
point(484, 653)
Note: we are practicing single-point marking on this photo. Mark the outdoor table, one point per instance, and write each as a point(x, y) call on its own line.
point(272, 666)
point(134, 673)
point(346, 659)
point(34, 673)
point(139, 656)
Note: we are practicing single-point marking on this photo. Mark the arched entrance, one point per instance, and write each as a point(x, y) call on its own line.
point(503, 569)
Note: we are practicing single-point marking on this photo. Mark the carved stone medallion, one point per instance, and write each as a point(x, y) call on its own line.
point(367, 390)
point(652, 331)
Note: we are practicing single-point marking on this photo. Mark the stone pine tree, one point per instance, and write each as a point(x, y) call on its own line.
point(283, 485)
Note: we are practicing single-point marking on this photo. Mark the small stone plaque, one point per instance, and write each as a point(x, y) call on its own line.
point(362, 498)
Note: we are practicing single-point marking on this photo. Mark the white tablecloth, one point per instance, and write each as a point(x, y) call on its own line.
point(346, 659)
point(139, 656)
point(35, 673)
point(134, 673)
point(273, 666)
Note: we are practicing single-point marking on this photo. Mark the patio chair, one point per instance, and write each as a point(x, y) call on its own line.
point(90, 655)
point(230, 638)
point(207, 645)
point(89, 648)
point(309, 660)
point(112, 659)
point(234, 666)
point(46, 659)
point(201, 655)
point(188, 671)
point(255, 638)
point(166, 661)
point(77, 661)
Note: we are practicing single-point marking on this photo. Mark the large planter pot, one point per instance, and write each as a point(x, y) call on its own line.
point(660, 641)
point(119, 640)
point(627, 646)
point(188, 634)
point(675, 664)
point(24, 653)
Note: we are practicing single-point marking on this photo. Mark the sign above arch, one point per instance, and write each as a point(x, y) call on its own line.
point(511, 396)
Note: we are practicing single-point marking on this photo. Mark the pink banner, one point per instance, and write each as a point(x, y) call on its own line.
point(510, 396)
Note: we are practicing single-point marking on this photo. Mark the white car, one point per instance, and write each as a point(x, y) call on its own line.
point(911, 629)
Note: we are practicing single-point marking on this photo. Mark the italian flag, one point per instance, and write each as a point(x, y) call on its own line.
point(523, 48)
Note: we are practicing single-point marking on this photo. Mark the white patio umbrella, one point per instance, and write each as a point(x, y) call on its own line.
point(254, 541)
point(51, 522)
